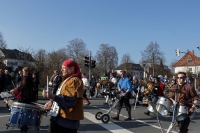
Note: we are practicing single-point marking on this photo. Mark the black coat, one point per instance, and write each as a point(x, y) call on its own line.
point(26, 89)
point(2, 83)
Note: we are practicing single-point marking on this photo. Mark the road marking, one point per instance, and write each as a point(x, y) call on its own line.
point(109, 126)
point(136, 120)
point(5, 116)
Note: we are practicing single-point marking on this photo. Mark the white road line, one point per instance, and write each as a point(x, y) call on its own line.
point(4, 115)
point(136, 120)
point(109, 126)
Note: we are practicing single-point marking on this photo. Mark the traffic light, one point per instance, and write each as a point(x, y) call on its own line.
point(87, 61)
point(93, 64)
point(177, 52)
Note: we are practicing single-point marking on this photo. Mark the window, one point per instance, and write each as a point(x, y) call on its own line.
point(190, 69)
point(189, 60)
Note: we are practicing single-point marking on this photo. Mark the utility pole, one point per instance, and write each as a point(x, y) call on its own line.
point(89, 67)
point(90, 64)
point(89, 70)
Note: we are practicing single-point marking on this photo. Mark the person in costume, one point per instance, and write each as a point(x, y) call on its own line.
point(68, 99)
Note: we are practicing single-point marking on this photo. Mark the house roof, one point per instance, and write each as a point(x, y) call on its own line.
point(188, 56)
point(129, 66)
point(16, 54)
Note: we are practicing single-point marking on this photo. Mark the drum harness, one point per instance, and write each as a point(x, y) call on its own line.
point(55, 108)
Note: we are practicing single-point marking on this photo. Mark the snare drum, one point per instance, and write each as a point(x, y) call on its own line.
point(25, 115)
point(163, 105)
point(182, 112)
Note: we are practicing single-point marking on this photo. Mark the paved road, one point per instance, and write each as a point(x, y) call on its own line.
point(140, 123)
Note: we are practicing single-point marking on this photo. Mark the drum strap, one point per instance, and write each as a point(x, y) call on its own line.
point(55, 108)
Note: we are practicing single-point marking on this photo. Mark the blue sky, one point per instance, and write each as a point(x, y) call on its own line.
point(129, 25)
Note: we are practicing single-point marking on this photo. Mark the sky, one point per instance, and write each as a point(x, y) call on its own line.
point(128, 25)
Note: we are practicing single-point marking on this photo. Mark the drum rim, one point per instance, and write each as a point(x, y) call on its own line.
point(25, 105)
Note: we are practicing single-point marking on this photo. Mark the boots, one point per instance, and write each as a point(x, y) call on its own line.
point(117, 116)
point(147, 112)
point(129, 116)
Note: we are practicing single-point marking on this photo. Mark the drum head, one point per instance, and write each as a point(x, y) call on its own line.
point(181, 117)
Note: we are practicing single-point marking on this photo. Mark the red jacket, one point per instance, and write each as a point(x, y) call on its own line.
point(161, 89)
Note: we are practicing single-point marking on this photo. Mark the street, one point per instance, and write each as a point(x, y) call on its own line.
point(140, 123)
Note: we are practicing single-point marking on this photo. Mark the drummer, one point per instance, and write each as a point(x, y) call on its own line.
point(113, 80)
point(24, 91)
point(69, 99)
point(184, 98)
point(157, 91)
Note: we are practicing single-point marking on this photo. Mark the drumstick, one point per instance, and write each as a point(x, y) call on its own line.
point(13, 84)
point(38, 104)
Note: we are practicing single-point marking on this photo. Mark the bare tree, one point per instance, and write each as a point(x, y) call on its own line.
point(46, 63)
point(2, 42)
point(55, 59)
point(152, 54)
point(107, 58)
point(76, 50)
point(40, 66)
point(126, 58)
point(40, 60)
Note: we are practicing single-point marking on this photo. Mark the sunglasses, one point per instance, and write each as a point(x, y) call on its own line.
point(180, 77)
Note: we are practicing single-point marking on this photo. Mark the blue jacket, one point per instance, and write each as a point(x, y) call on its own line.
point(125, 84)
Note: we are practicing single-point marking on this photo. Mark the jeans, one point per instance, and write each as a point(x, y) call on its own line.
point(97, 92)
point(92, 91)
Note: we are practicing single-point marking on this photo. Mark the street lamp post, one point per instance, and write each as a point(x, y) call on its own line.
point(144, 74)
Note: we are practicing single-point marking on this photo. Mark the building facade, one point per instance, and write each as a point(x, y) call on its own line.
point(131, 69)
point(188, 63)
point(15, 58)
